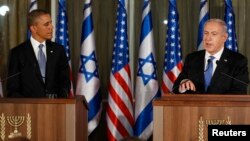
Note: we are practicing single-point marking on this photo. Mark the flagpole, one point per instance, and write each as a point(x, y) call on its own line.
point(131, 29)
point(53, 16)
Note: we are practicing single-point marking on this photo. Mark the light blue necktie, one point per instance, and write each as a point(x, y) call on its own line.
point(208, 72)
point(42, 61)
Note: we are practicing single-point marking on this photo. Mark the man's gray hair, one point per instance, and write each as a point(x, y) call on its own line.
point(219, 21)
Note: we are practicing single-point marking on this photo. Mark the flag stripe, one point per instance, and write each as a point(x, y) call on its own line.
point(117, 122)
point(164, 87)
point(146, 23)
point(122, 118)
point(145, 117)
point(120, 103)
point(121, 89)
point(167, 83)
point(170, 76)
point(178, 69)
point(124, 85)
point(111, 131)
point(87, 27)
point(94, 107)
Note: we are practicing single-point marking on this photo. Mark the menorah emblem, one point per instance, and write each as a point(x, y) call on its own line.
point(15, 121)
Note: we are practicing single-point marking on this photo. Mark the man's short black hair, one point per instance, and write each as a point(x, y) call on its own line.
point(33, 15)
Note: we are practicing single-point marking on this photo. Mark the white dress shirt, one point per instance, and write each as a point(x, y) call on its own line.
point(35, 45)
point(217, 58)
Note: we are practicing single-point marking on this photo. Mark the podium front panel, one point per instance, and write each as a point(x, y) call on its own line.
point(186, 117)
point(43, 119)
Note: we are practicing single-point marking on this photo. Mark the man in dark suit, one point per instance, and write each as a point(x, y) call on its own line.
point(216, 69)
point(37, 72)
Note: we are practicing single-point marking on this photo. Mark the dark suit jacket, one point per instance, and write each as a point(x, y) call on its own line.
point(28, 81)
point(230, 63)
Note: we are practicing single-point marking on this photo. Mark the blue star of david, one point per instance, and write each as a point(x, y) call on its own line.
point(84, 60)
point(147, 77)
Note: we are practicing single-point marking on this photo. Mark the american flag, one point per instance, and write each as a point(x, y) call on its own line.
point(173, 56)
point(88, 83)
point(33, 6)
point(204, 16)
point(120, 119)
point(62, 35)
point(231, 42)
point(147, 87)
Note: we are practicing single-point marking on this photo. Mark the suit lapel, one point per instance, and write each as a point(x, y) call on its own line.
point(50, 50)
point(31, 54)
point(221, 67)
point(200, 68)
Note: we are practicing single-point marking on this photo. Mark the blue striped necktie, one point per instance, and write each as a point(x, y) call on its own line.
point(208, 72)
point(42, 61)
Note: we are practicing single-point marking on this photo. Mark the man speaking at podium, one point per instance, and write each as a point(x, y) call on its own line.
point(38, 67)
point(216, 69)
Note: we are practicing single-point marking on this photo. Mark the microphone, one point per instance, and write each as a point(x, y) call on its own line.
point(229, 76)
point(13, 75)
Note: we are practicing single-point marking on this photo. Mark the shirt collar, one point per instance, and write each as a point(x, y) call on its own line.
point(35, 43)
point(216, 55)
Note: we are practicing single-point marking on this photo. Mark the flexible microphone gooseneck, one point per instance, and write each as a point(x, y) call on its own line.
point(13, 75)
point(234, 78)
point(229, 76)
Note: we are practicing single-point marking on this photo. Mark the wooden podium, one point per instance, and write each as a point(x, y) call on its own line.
point(44, 119)
point(186, 117)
